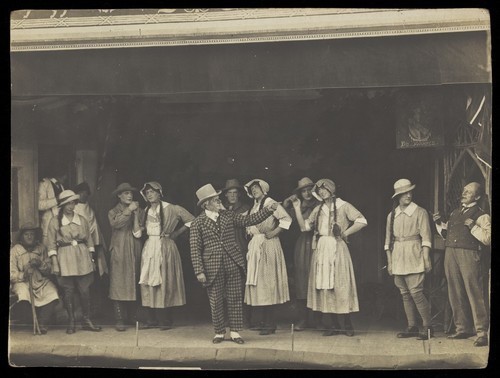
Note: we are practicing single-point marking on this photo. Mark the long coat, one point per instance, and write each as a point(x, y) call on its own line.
point(125, 255)
point(208, 245)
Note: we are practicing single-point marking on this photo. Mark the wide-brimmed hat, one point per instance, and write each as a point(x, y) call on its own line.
point(123, 187)
point(205, 193)
point(82, 187)
point(67, 196)
point(402, 186)
point(29, 226)
point(303, 183)
point(232, 184)
point(153, 185)
point(327, 184)
point(263, 185)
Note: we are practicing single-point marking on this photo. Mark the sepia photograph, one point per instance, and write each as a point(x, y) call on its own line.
point(250, 188)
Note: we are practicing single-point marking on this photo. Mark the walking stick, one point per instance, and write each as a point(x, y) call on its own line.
point(36, 327)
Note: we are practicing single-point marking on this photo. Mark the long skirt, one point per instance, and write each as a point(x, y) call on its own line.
point(302, 263)
point(170, 292)
point(272, 280)
point(342, 298)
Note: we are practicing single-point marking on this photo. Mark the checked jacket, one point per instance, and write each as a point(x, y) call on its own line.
point(209, 242)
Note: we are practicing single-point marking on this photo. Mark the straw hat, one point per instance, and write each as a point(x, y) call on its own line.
point(263, 185)
point(303, 183)
point(402, 186)
point(205, 193)
point(123, 187)
point(67, 196)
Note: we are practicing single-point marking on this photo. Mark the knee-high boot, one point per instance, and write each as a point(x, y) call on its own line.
point(69, 303)
point(87, 324)
point(119, 316)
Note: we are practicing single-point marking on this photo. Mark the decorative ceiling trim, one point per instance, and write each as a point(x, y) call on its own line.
point(267, 25)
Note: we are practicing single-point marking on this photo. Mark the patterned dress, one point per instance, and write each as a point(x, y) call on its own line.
point(162, 279)
point(332, 285)
point(267, 280)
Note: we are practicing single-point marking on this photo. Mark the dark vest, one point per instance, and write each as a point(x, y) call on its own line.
point(459, 235)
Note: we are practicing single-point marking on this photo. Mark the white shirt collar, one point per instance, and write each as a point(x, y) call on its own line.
point(410, 209)
point(76, 220)
point(339, 202)
point(212, 215)
point(470, 205)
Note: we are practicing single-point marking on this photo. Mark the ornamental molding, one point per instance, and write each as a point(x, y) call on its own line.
point(34, 31)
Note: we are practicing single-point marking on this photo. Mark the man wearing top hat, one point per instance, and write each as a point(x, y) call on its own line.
point(217, 260)
point(467, 232)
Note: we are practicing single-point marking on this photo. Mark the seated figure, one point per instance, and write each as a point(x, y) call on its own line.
point(29, 262)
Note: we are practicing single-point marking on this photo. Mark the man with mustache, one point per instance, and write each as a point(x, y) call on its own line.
point(217, 260)
point(466, 232)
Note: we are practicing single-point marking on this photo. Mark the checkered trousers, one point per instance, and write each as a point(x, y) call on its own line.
point(227, 284)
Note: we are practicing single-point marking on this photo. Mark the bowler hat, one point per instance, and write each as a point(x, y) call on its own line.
point(232, 184)
point(205, 193)
point(67, 196)
point(304, 183)
point(123, 187)
point(402, 186)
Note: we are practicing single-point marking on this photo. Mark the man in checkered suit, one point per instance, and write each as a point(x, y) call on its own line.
point(217, 260)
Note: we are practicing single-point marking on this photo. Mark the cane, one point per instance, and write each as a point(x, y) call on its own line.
point(36, 327)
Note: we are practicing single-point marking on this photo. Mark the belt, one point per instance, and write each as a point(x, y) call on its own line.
point(407, 238)
point(63, 244)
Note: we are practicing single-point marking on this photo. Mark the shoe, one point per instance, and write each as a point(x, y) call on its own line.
point(267, 331)
point(89, 326)
point(349, 331)
point(238, 340)
point(481, 341)
point(257, 327)
point(460, 336)
point(331, 332)
point(70, 330)
point(43, 330)
point(410, 332)
point(148, 325)
point(300, 326)
point(120, 326)
point(424, 334)
point(218, 339)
